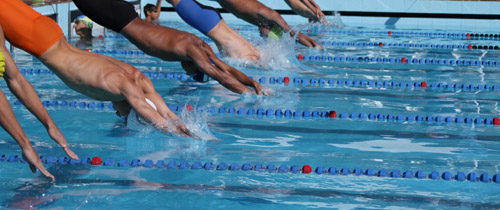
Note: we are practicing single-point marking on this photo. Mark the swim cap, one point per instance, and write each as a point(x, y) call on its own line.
point(275, 33)
point(85, 20)
point(2, 63)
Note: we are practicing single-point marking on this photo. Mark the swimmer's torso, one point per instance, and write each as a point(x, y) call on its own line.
point(91, 74)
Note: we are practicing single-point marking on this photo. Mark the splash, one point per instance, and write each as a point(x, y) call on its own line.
point(278, 54)
point(336, 21)
point(196, 122)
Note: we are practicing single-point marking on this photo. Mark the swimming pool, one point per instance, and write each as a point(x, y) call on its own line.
point(403, 119)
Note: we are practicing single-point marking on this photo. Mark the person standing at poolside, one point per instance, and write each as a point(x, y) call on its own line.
point(96, 76)
point(152, 13)
point(23, 90)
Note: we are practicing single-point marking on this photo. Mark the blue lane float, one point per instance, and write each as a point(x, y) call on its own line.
point(290, 114)
point(326, 82)
point(456, 36)
point(427, 34)
point(338, 44)
point(398, 60)
point(353, 59)
point(270, 168)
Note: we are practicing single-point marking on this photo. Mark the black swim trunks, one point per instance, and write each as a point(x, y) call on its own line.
point(112, 14)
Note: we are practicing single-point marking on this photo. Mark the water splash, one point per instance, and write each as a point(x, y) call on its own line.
point(278, 54)
point(196, 122)
point(336, 21)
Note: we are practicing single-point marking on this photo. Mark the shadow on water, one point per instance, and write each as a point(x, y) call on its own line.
point(293, 129)
point(35, 194)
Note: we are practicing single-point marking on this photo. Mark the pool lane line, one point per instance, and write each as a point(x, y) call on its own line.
point(398, 60)
point(351, 59)
point(384, 33)
point(271, 168)
point(290, 114)
point(326, 83)
point(409, 45)
point(408, 34)
point(385, 44)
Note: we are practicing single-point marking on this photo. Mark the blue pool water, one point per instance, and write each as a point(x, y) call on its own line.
point(317, 141)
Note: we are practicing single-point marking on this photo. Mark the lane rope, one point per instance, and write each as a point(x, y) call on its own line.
point(325, 82)
point(289, 114)
point(270, 168)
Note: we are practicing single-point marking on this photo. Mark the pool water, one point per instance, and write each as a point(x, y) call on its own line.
point(338, 142)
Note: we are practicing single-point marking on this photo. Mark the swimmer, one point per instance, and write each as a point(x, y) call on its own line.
point(83, 27)
point(308, 9)
point(96, 76)
point(209, 22)
point(152, 13)
point(167, 43)
point(23, 90)
point(265, 18)
point(134, 117)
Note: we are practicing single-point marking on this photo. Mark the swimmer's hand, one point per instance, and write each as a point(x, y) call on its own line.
point(29, 154)
point(268, 92)
point(257, 87)
point(182, 130)
point(57, 136)
point(308, 41)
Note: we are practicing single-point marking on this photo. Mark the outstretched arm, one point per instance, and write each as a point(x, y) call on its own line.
point(174, 45)
point(9, 122)
point(23, 90)
point(137, 100)
point(158, 7)
point(206, 60)
point(307, 8)
point(260, 15)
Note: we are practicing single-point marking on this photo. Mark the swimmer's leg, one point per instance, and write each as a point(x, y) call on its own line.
point(198, 16)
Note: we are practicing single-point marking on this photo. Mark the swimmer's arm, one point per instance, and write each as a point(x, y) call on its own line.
point(306, 8)
point(263, 16)
point(158, 7)
point(243, 78)
point(9, 122)
point(23, 90)
point(220, 73)
point(274, 18)
point(137, 100)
